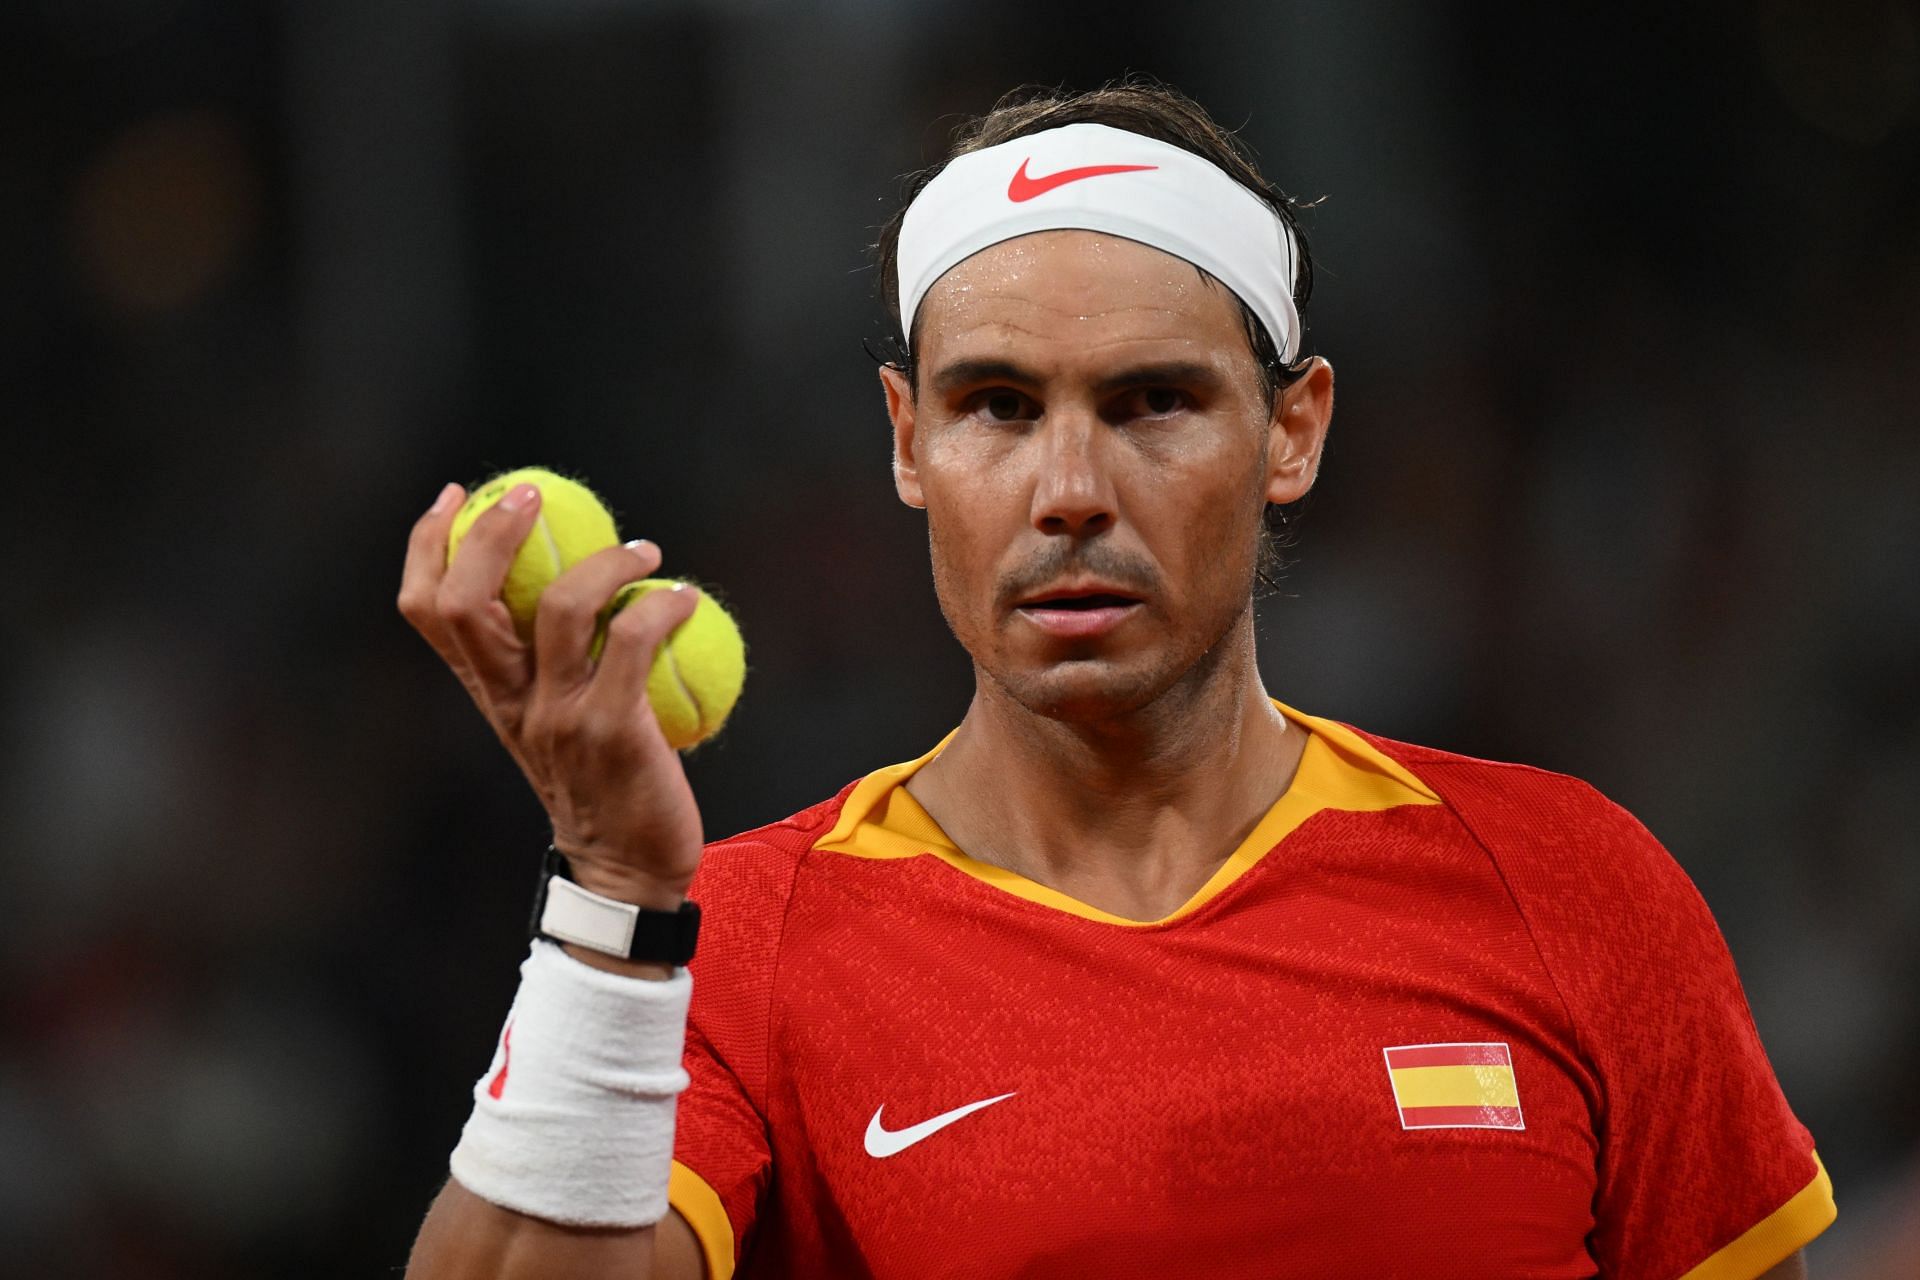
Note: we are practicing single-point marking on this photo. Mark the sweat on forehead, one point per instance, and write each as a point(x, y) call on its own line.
point(1095, 178)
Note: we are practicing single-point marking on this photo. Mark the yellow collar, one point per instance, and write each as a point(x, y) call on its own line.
point(1338, 770)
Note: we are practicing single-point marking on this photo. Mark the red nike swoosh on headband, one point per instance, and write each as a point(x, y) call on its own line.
point(1024, 188)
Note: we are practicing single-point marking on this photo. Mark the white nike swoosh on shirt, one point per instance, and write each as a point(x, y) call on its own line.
point(882, 1142)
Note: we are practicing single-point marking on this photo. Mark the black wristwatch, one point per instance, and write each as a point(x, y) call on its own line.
point(564, 912)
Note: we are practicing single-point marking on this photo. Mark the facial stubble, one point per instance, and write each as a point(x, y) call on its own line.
point(1084, 683)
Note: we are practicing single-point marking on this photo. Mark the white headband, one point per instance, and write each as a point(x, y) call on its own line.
point(1091, 177)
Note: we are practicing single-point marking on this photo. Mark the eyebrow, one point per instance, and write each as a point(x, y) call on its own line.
point(1177, 373)
point(964, 373)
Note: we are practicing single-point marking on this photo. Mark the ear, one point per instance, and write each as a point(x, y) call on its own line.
point(906, 469)
point(1298, 431)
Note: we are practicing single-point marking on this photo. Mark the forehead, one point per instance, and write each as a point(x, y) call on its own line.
point(1065, 293)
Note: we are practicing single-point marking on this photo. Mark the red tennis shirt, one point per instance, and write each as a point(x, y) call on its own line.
point(1434, 1017)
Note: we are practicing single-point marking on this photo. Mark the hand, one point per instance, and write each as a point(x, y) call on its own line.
point(581, 731)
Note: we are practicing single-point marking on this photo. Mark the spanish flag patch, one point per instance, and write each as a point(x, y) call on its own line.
point(1454, 1086)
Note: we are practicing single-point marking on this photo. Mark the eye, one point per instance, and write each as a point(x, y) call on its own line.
point(1004, 406)
point(1154, 402)
point(1160, 400)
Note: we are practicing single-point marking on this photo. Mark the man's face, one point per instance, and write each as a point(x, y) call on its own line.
point(1094, 449)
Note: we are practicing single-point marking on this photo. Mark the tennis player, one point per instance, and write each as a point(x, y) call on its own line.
point(1138, 972)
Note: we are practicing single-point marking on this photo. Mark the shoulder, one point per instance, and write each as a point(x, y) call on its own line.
point(760, 864)
point(743, 886)
point(745, 881)
point(1549, 833)
point(1618, 923)
point(1684, 1095)
point(1607, 906)
point(1519, 789)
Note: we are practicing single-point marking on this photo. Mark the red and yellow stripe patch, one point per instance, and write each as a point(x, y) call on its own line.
point(1454, 1086)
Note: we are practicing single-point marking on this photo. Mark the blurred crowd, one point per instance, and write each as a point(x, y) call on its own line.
point(1624, 481)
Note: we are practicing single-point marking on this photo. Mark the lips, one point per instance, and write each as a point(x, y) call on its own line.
point(1079, 611)
point(1081, 593)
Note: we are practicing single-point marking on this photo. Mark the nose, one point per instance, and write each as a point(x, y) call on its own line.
point(1073, 492)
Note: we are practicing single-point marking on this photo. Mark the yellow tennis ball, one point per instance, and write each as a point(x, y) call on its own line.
point(572, 526)
point(697, 671)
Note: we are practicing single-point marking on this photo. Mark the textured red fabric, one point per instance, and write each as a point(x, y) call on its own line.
point(744, 886)
point(1209, 1095)
point(1696, 1140)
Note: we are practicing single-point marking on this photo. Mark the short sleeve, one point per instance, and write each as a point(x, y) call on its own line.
point(1704, 1172)
point(721, 1160)
point(722, 1154)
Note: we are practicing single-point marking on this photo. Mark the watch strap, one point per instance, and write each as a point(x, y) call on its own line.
point(566, 912)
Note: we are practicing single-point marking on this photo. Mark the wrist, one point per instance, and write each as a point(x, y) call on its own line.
point(626, 884)
point(619, 923)
point(573, 1120)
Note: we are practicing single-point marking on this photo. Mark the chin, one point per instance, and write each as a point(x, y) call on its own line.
point(1090, 686)
point(1083, 691)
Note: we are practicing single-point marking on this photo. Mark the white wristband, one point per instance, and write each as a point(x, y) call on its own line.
point(573, 1121)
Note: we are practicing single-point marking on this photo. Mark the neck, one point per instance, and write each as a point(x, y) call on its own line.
point(1131, 812)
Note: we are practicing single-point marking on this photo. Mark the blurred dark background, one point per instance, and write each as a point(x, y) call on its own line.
point(1625, 481)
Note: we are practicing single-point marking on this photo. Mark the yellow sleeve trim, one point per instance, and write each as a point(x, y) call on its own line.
point(1774, 1238)
point(689, 1194)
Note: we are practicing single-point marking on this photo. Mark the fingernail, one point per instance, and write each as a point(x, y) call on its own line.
point(445, 500)
point(521, 495)
point(641, 546)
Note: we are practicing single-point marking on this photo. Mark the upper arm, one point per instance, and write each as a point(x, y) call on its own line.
point(1705, 1169)
point(1704, 1172)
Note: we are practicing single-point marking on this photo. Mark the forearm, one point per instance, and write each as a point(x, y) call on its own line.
point(567, 1152)
point(563, 1165)
point(466, 1238)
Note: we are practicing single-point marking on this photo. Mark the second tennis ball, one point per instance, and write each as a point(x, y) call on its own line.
point(697, 673)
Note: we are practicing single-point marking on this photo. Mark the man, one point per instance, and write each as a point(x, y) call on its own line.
point(1138, 972)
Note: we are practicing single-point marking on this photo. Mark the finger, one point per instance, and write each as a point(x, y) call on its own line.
point(570, 608)
point(426, 564)
point(633, 636)
point(468, 600)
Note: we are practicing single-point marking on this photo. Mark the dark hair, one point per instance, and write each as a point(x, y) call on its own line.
point(1144, 106)
point(1137, 105)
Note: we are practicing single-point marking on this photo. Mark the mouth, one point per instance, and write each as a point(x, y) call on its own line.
point(1078, 613)
point(1081, 603)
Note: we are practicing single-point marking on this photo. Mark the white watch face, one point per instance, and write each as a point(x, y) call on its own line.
point(586, 919)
